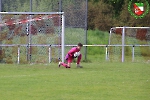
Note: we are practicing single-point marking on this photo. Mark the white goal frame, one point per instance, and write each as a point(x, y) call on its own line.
point(62, 31)
point(123, 40)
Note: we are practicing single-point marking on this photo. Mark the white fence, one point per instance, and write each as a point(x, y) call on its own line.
point(49, 57)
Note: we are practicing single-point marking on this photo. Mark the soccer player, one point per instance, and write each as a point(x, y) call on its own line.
point(70, 56)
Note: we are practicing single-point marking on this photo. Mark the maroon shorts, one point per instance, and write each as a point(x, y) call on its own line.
point(68, 58)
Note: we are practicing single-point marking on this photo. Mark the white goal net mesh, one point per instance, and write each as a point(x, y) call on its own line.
point(33, 32)
point(136, 46)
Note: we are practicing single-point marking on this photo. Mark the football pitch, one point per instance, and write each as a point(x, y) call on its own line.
point(96, 81)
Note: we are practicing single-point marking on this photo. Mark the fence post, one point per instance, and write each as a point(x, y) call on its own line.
point(49, 54)
point(133, 53)
point(106, 52)
point(86, 22)
point(123, 43)
point(18, 56)
point(30, 5)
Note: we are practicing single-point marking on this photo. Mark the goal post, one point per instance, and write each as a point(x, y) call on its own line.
point(34, 32)
point(63, 39)
point(124, 40)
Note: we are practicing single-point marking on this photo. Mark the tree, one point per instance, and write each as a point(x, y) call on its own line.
point(100, 16)
point(116, 4)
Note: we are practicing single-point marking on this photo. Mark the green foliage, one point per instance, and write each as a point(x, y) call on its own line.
point(96, 81)
point(99, 16)
point(104, 14)
point(117, 5)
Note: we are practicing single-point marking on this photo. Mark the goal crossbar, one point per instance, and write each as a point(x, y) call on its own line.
point(30, 13)
point(132, 27)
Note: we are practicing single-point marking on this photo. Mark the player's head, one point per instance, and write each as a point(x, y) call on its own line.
point(79, 45)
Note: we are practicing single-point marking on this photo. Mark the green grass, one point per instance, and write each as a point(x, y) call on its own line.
point(97, 37)
point(96, 81)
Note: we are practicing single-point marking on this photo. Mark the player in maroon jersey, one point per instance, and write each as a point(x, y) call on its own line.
point(70, 56)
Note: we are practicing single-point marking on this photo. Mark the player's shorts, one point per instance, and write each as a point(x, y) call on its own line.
point(68, 58)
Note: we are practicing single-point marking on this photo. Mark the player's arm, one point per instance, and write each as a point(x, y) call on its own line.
point(71, 52)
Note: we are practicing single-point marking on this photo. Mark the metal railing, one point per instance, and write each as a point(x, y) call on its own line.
point(50, 49)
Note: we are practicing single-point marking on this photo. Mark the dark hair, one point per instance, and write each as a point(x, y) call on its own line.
point(80, 44)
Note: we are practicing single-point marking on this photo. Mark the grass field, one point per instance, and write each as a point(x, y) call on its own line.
point(96, 81)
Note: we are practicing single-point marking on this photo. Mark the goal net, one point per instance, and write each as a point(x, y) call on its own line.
point(37, 34)
point(129, 44)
